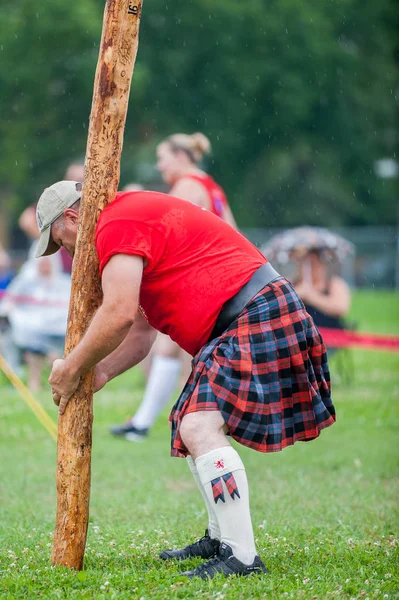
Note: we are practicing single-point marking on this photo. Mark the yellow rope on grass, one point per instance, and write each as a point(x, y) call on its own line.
point(28, 398)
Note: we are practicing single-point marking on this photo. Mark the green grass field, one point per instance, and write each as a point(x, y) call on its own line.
point(325, 514)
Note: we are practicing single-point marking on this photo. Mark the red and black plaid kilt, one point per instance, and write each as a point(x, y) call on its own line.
point(267, 374)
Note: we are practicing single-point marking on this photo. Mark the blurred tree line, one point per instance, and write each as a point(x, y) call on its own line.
point(298, 98)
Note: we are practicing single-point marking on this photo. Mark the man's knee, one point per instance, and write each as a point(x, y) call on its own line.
point(197, 426)
point(189, 429)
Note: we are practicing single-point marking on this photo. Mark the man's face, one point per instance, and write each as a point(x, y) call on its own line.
point(65, 230)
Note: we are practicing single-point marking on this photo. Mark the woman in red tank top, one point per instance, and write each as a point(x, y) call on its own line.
point(177, 161)
point(178, 157)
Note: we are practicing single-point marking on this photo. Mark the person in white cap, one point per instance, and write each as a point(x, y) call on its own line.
point(51, 207)
point(28, 224)
point(259, 369)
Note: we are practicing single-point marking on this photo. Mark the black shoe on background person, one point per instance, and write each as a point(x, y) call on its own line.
point(129, 432)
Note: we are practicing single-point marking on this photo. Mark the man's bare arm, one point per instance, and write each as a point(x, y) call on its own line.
point(129, 353)
point(121, 287)
point(112, 322)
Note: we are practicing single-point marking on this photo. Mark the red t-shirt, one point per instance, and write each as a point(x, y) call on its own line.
point(195, 261)
point(216, 194)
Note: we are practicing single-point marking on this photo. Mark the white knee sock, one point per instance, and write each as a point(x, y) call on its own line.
point(162, 382)
point(213, 526)
point(224, 481)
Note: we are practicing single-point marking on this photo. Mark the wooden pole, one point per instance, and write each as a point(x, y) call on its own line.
point(119, 42)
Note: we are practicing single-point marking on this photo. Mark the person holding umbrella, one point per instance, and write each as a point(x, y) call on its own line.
point(316, 252)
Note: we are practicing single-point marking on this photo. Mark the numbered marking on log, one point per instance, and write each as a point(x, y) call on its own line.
point(133, 9)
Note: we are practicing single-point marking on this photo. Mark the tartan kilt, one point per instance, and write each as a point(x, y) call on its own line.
point(267, 374)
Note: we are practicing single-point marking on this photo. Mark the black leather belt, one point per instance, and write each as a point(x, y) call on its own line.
point(232, 308)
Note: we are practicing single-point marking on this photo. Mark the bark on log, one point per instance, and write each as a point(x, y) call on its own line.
point(119, 42)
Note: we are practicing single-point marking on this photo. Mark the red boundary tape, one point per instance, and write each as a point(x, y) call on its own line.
point(344, 338)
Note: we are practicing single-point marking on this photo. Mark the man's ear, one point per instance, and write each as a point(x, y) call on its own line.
point(71, 216)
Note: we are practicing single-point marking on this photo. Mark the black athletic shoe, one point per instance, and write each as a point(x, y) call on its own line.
point(227, 564)
point(206, 547)
point(129, 432)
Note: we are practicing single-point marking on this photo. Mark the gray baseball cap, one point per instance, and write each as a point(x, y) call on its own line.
point(52, 203)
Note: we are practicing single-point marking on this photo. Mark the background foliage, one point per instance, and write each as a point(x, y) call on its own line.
point(298, 98)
